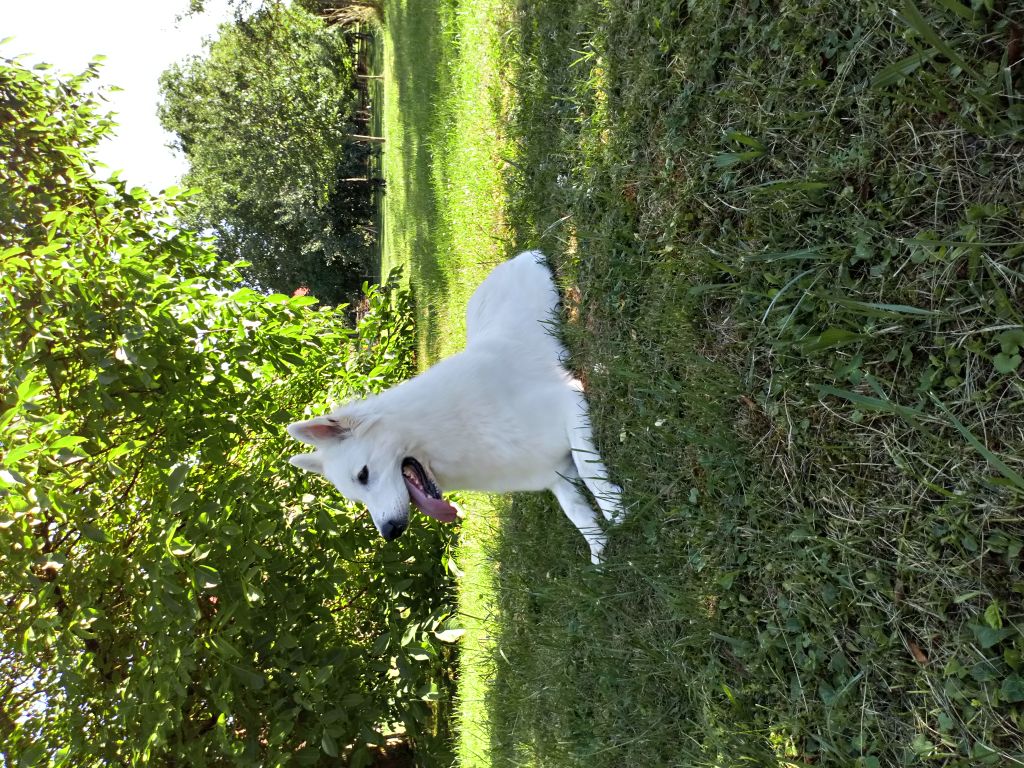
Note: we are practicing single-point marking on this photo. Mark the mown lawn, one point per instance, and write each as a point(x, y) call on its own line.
point(790, 237)
point(444, 226)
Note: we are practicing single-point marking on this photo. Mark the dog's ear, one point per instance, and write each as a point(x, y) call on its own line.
point(322, 429)
point(308, 461)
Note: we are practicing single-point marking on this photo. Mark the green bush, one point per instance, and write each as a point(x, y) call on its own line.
point(171, 591)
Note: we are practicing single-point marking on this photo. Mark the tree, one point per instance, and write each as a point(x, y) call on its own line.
point(171, 592)
point(334, 11)
point(262, 120)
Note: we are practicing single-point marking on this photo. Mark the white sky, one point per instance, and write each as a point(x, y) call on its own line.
point(140, 39)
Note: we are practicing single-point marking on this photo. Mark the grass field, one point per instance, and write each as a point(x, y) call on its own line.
point(445, 227)
point(790, 238)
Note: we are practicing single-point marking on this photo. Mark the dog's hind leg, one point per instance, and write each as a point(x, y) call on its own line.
point(588, 463)
point(579, 511)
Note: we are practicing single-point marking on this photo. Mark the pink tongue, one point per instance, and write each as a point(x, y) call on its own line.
point(439, 509)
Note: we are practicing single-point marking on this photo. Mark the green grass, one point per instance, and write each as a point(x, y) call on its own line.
point(790, 236)
point(444, 206)
point(444, 214)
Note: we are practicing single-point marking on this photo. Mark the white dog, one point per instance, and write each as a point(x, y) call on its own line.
point(503, 415)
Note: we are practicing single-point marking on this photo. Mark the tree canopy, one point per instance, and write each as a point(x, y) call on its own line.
point(171, 592)
point(262, 121)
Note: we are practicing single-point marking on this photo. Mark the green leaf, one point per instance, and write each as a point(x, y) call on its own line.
point(93, 533)
point(208, 578)
point(412, 631)
point(1012, 689)
point(831, 337)
point(223, 647)
point(897, 71)
point(917, 22)
point(742, 138)
point(251, 680)
point(879, 309)
point(246, 295)
point(181, 547)
point(1011, 341)
point(67, 441)
point(732, 159)
point(782, 185)
point(815, 253)
point(177, 476)
point(1006, 363)
point(922, 745)
point(380, 644)
point(329, 745)
point(253, 593)
point(449, 635)
point(19, 452)
point(30, 386)
point(361, 758)
point(993, 616)
point(912, 415)
point(988, 637)
point(353, 700)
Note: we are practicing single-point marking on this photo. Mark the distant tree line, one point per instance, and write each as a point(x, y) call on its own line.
point(335, 11)
point(264, 119)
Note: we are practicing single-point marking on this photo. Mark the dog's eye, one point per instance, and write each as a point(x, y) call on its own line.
point(364, 475)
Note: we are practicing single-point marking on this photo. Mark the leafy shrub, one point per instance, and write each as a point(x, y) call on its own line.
point(172, 592)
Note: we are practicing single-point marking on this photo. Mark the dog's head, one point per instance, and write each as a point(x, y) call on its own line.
point(367, 465)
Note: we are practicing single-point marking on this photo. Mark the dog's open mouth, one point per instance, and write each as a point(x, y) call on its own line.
point(425, 494)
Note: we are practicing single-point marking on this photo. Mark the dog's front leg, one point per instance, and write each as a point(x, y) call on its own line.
point(579, 511)
point(588, 461)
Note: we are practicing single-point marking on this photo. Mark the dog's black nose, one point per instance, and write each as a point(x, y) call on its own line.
point(392, 531)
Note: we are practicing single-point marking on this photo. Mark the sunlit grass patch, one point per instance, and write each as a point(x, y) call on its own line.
point(445, 198)
point(445, 222)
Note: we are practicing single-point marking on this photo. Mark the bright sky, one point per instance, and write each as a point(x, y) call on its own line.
point(140, 39)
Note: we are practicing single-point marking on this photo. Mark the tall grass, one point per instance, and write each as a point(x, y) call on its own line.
point(789, 237)
point(796, 234)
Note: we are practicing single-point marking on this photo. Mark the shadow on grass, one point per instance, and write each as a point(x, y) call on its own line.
point(419, 72)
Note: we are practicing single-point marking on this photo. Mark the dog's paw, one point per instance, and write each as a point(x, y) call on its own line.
point(613, 509)
point(597, 550)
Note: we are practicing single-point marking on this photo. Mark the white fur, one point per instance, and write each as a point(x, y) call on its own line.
point(502, 415)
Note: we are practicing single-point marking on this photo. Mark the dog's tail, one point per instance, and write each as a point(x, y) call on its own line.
point(518, 296)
